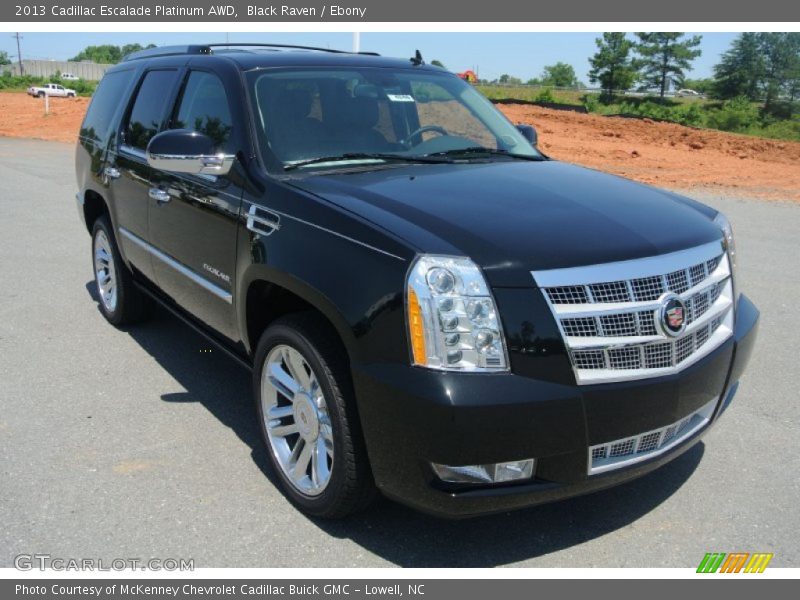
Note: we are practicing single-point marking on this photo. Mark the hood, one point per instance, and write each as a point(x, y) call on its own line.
point(512, 217)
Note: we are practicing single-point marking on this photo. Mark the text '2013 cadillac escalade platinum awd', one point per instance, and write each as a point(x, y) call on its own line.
point(430, 306)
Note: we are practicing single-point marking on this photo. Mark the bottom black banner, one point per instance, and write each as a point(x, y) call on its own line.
point(364, 589)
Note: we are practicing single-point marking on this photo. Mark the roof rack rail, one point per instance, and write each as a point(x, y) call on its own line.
point(168, 51)
point(286, 46)
point(208, 49)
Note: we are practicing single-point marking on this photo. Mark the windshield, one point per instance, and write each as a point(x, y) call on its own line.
point(314, 117)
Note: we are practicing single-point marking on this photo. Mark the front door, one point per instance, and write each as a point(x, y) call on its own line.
point(193, 219)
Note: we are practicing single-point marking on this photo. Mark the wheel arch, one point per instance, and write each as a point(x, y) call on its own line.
point(266, 295)
point(94, 206)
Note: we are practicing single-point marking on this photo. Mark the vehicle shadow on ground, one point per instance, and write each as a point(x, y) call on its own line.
point(389, 530)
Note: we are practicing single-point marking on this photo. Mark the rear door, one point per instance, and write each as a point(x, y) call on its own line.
point(194, 221)
point(128, 173)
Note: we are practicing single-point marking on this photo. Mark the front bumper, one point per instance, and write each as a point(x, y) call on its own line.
point(413, 417)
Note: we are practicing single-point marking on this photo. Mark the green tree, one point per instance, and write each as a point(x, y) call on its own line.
point(108, 53)
point(781, 52)
point(104, 54)
point(559, 75)
point(761, 67)
point(740, 72)
point(611, 65)
point(438, 63)
point(664, 57)
point(130, 48)
point(509, 80)
point(4, 60)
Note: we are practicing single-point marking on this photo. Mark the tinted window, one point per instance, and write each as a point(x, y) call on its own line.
point(306, 114)
point(149, 108)
point(204, 108)
point(104, 103)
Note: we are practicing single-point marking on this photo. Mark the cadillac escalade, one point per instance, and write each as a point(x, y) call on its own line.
point(431, 308)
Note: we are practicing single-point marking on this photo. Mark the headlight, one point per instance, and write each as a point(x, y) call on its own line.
point(452, 317)
point(727, 236)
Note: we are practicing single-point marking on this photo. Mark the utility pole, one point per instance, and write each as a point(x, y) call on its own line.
point(19, 52)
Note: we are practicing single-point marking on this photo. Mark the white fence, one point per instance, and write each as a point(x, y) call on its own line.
point(47, 68)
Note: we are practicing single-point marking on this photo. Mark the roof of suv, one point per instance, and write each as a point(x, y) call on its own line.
point(253, 56)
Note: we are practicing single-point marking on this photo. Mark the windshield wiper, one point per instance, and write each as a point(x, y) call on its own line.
point(363, 156)
point(474, 150)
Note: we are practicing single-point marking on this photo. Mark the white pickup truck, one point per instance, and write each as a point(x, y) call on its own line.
point(51, 89)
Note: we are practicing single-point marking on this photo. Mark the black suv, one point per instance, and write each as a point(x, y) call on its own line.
point(430, 306)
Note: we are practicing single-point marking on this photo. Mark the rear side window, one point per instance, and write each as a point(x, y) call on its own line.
point(105, 101)
point(204, 108)
point(149, 108)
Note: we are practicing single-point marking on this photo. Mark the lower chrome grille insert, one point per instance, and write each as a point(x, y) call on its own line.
point(621, 453)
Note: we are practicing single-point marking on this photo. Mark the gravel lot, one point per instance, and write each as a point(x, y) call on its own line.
point(140, 444)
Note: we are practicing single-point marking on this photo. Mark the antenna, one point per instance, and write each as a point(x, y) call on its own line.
point(19, 52)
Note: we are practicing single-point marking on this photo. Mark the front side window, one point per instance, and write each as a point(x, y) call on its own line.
point(204, 108)
point(149, 108)
point(304, 115)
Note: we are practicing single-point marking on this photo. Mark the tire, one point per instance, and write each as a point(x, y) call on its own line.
point(40, 95)
point(120, 301)
point(309, 342)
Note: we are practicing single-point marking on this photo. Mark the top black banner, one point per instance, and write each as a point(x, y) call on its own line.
point(355, 11)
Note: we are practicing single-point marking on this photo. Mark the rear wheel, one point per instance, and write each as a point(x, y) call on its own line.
point(307, 417)
point(120, 301)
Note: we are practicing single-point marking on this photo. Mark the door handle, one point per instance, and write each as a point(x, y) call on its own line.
point(111, 173)
point(159, 195)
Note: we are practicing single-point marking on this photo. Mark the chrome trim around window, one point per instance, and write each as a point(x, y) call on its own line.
point(131, 151)
point(179, 267)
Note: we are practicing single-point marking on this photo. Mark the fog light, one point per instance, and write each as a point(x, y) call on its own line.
point(514, 470)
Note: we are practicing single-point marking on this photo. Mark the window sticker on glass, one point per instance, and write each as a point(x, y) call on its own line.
point(400, 97)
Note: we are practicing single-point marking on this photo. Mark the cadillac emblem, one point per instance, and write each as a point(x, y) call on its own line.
point(672, 315)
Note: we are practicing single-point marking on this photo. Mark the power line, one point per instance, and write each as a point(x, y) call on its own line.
point(19, 52)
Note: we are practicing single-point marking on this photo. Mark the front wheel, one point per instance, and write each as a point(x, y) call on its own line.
point(307, 417)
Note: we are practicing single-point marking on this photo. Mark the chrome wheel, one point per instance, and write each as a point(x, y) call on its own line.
point(296, 420)
point(105, 273)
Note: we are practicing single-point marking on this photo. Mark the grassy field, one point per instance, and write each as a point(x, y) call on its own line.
point(531, 94)
point(737, 115)
point(527, 93)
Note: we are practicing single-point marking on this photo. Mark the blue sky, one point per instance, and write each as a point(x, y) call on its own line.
point(519, 54)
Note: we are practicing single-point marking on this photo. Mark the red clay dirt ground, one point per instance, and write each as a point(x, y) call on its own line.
point(663, 154)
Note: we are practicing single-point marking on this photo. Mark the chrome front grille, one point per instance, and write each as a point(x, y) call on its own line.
point(623, 452)
point(640, 289)
point(610, 314)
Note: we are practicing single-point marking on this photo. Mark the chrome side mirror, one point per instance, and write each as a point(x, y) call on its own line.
point(187, 151)
point(529, 133)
